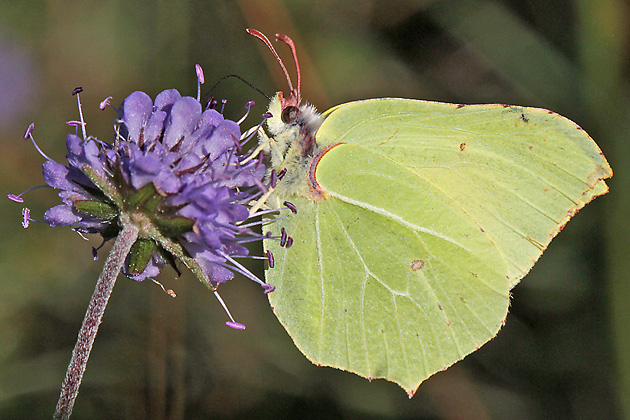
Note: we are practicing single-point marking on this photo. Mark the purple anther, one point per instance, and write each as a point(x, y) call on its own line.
point(289, 242)
point(94, 254)
point(282, 173)
point(268, 235)
point(283, 237)
point(268, 288)
point(200, 75)
point(105, 102)
point(267, 115)
point(290, 206)
point(29, 131)
point(74, 123)
point(250, 104)
point(270, 259)
point(76, 90)
point(26, 217)
point(274, 178)
point(235, 325)
point(15, 198)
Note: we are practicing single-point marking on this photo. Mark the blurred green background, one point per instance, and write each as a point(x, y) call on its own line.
point(565, 350)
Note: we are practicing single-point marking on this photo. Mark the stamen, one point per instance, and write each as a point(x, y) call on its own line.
point(274, 178)
point(200, 80)
point(29, 135)
point(290, 206)
point(239, 148)
point(76, 92)
point(104, 103)
point(282, 173)
point(169, 292)
point(15, 198)
point(232, 324)
point(248, 106)
point(270, 258)
point(260, 202)
point(268, 288)
point(285, 240)
point(29, 131)
point(262, 222)
point(248, 133)
point(18, 198)
point(223, 102)
point(255, 154)
point(26, 217)
point(253, 238)
point(95, 250)
point(247, 196)
point(200, 77)
point(238, 267)
point(212, 104)
point(235, 325)
point(254, 257)
point(80, 234)
point(260, 185)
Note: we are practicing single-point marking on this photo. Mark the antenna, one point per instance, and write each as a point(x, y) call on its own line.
point(289, 42)
point(242, 80)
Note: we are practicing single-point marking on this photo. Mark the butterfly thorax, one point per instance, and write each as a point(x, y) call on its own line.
point(291, 140)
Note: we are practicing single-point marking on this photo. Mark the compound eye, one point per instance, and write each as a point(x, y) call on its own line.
point(290, 113)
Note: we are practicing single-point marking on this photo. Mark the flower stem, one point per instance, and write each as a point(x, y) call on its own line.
point(92, 320)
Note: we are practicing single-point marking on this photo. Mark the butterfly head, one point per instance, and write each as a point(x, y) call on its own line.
point(291, 128)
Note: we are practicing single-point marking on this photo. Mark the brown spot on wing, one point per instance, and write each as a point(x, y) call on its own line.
point(417, 265)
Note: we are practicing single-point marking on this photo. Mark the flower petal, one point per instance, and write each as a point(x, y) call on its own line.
point(166, 99)
point(136, 110)
point(61, 215)
point(183, 119)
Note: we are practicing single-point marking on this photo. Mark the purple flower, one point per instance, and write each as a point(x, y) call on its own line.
point(175, 170)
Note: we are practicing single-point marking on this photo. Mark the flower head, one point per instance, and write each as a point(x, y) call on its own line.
point(175, 170)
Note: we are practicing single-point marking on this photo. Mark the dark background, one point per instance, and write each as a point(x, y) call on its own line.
point(565, 351)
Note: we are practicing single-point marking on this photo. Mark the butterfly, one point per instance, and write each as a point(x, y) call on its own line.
point(414, 221)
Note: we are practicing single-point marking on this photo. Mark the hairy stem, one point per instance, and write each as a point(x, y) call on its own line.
point(92, 320)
